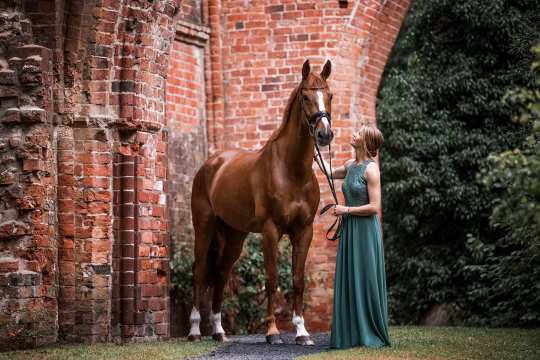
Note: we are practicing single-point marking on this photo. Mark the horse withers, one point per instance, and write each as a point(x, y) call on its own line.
point(272, 191)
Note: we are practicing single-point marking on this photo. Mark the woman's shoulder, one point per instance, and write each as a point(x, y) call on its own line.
point(372, 169)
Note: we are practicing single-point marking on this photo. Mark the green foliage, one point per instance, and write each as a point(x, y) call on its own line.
point(508, 270)
point(440, 110)
point(245, 295)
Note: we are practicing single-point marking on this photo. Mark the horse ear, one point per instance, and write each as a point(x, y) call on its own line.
point(306, 68)
point(327, 69)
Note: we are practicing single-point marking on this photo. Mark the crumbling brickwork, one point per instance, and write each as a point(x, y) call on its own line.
point(28, 247)
point(108, 107)
point(84, 242)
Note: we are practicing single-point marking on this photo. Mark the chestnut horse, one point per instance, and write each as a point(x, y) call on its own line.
point(272, 191)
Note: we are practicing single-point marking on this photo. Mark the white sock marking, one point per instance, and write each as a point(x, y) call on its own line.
point(216, 324)
point(195, 320)
point(298, 322)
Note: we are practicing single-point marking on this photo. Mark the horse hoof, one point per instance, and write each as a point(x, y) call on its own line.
point(194, 337)
point(274, 339)
point(304, 341)
point(220, 338)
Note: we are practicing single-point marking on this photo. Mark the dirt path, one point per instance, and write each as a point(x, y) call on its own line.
point(254, 347)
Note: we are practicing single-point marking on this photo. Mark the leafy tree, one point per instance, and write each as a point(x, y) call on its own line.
point(507, 272)
point(441, 112)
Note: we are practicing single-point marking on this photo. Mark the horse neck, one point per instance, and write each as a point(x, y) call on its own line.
point(295, 145)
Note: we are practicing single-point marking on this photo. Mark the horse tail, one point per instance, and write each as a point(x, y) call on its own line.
point(205, 225)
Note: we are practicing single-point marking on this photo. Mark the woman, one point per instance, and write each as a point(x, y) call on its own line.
point(360, 316)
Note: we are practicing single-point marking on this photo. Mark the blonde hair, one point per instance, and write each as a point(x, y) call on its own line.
point(373, 139)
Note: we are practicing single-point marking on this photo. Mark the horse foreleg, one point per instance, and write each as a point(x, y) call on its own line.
point(300, 241)
point(271, 238)
point(233, 241)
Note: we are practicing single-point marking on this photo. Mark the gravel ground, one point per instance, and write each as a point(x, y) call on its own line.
point(254, 347)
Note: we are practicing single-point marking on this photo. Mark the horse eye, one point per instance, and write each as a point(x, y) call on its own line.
point(305, 97)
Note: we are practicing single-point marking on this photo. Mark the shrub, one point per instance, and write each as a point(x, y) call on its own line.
point(440, 111)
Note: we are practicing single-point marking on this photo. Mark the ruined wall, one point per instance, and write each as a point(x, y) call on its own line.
point(98, 148)
point(28, 247)
point(116, 59)
point(84, 243)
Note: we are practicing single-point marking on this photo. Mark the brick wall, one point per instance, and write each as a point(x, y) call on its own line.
point(79, 100)
point(186, 116)
point(98, 148)
point(257, 52)
point(28, 246)
point(116, 65)
point(186, 122)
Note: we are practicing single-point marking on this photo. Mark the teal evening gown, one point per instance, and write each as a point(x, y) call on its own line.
point(360, 316)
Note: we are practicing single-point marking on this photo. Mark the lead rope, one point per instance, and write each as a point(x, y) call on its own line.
point(330, 178)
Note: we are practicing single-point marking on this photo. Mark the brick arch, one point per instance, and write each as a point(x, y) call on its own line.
point(257, 50)
point(366, 40)
point(95, 155)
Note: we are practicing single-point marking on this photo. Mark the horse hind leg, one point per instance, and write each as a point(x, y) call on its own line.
point(204, 225)
point(232, 242)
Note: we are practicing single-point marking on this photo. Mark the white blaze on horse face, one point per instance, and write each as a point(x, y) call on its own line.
point(298, 322)
point(195, 320)
point(216, 324)
point(320, 100)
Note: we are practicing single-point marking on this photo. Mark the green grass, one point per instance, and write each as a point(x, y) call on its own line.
point(173, 349)
point(408, 342)
point(459, 343)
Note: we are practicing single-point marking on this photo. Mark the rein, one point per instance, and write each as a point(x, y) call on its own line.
point(338, 221)
point(312, 124)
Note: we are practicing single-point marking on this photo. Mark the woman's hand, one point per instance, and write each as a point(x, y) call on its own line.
point(340, 210)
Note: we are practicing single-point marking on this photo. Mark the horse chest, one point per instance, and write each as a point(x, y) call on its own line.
point(296, 206)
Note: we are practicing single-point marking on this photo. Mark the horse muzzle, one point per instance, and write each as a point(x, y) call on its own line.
point(323, 133)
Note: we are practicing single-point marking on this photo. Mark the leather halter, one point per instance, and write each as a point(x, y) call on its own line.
point(312, 122)
point(313, 119)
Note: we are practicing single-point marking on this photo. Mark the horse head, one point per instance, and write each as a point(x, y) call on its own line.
point(316, 103)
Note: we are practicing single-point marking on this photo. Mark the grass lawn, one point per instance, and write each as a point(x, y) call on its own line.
point(173, 349)
point(408, 342)
point(414, 342)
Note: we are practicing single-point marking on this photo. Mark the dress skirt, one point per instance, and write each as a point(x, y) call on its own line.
point(360, 314)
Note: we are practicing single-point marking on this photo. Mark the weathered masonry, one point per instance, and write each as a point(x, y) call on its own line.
point(107, 107)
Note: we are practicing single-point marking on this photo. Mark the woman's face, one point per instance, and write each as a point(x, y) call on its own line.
point(357, 139)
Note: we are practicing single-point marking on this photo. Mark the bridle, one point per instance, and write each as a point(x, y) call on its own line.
point(312, 122)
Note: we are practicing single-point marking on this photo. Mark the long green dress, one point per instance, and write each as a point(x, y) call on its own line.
point(360, 316)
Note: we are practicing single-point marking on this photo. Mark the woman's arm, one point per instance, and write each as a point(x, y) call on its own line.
point(373, 178)
point(338, 172)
